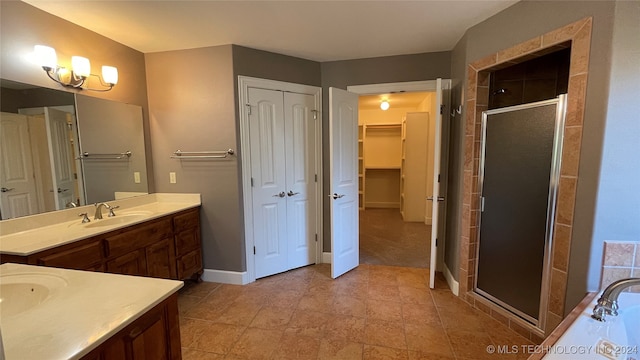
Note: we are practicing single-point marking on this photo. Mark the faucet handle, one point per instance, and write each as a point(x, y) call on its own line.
point(111, 208)
point(85, 218)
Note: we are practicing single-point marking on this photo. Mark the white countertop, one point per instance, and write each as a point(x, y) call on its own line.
point(84, 310)
point(31, 234)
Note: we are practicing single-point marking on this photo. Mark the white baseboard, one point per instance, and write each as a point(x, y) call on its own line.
point(453, 284)
point(225, 277)
point(326, 258)
point(427, 221)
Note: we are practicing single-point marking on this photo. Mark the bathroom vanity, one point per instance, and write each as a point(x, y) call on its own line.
point(154, 235)
point(49, 313)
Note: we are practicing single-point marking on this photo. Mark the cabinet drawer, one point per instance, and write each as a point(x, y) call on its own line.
point(187, 220)
point(187, 241)
point(88, 256)
point(138, 237)
point(189, 264)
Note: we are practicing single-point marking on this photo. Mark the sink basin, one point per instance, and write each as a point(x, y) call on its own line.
point(23, 292)
point(117, 220)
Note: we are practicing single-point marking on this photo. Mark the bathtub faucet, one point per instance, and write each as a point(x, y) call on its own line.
point(608, 302)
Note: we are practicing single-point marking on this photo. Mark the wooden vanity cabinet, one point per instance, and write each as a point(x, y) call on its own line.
point(188, 245)
point(168, 247)
point(155, 335)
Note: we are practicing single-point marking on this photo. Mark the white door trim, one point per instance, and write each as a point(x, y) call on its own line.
point(244, 83)
point(408, 86)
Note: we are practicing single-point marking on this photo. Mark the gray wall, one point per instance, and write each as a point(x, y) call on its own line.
point(518, 23)
point(618, 210)
point(192, 102)
point(22, 26)
point(388, 69)
point(199, 113)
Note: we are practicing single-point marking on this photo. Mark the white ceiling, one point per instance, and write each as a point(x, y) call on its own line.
point(324, 30)
point(396, 100)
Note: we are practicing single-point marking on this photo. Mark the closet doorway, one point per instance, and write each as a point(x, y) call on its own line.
point(398, 151)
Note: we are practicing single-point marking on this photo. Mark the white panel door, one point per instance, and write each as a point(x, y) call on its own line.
point(300, 138)
point(61, 155)
point(266, 128)
point(343, 168)
point(18, 189)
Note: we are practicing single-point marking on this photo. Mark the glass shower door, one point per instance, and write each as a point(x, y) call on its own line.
point(519, 173)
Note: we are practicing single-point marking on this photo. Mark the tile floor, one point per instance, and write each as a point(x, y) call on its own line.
point(385, 239)
point(372, 312)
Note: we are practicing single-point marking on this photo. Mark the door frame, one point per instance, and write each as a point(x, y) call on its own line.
point(413, 86)
point(244, 83)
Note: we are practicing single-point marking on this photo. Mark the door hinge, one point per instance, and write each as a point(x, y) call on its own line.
point(316, 177)
point(315, 114)
point(482, 204)
point(441, 109)
point(251, 182)
point(248, 109)
point(254, 250)
point(316, 237)
point(436, 242)
point(438, 177)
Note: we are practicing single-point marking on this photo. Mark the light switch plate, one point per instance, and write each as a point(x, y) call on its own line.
point(172, 177)
point(136, 177)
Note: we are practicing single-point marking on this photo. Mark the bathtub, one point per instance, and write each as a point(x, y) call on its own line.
point(618, 338)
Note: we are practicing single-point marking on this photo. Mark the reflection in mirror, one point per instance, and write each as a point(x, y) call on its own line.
point(43, 167)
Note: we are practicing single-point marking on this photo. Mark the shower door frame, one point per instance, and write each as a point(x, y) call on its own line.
point(554, 180)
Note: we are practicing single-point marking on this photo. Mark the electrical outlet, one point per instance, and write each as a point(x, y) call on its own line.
point(136, 177)
point(172, 177)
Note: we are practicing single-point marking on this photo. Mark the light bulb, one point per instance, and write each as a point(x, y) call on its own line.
point(46, 57)
point(110, 74)
point(80, 66)
point(384, 105)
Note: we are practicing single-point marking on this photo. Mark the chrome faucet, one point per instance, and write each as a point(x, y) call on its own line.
point(608, 302)
point(98, 214)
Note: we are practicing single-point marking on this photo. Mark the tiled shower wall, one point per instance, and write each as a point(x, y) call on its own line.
point(620, 260)
point(577, 35)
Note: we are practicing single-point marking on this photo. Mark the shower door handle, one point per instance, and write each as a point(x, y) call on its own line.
point(440, 198)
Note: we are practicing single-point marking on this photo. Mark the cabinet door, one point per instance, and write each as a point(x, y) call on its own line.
point(189, 264)
point(160, 259)
point(133, 263)
point(84, 257)
point(187, 241)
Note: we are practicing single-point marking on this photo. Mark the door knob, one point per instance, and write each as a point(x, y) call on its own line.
point(281, 194)
point(291, 193)
point(336, 196)
point(440, 198)
point(4, 189)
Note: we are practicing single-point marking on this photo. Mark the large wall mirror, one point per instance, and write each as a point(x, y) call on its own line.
point(59, 150)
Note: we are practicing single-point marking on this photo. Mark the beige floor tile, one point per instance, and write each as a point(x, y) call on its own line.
point(193, 354)
point(415, 295)
point(428, 339)
point(296, 347)
point(345, 327)
point(257, 344)
point(218, 338)
point(382, 353)
point(187, 302)
point(384, 310)
point(309, 323)
point(471, 344)
point(347, 305)
point(413, 280)
point(384, 292)
point(285, 298)
point(191, 330)
point(272, 318)
point(316, 302)
point(420, 314)
point(239, 313)
point(418, 355)
point(200, 290)
point(336, 349)
point(385, 333)
point(205, 311)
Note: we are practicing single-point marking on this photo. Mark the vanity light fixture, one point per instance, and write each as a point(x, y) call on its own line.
point(384, 105)
point(79, 72)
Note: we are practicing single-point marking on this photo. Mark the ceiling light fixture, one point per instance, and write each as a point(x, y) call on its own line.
point(384, 105)
point(79, 72)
